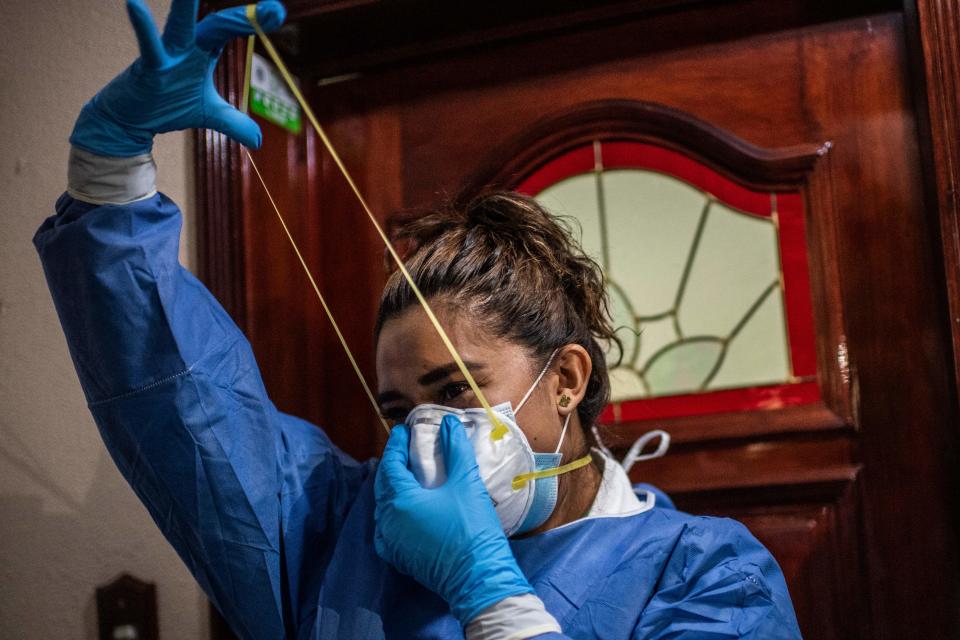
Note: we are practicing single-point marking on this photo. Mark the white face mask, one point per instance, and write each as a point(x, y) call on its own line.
point(521, 482)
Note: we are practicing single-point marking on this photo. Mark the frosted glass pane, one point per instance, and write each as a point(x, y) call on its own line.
point(625, 384)
point(651, 219)
point(758, 353)
point(654, 336)
point(729, 334)
point(682, 367)
point(624, 324)
point(736, 260)
point(577, 198)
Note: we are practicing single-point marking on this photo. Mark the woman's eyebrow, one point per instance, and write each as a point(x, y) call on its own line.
point(444, 371)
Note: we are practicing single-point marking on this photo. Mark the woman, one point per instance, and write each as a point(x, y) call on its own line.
point(290, 537)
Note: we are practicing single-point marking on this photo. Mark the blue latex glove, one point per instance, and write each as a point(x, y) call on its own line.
point(170, 86)
point(448, 538)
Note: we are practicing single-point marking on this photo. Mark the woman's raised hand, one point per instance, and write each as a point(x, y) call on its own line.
point(170, 86)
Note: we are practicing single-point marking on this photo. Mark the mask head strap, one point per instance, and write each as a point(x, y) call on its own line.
point(536, 382)
point(635, 454)
point(524, 478)
point(563, 432)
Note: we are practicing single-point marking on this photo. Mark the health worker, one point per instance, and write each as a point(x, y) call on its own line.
point(516, 526)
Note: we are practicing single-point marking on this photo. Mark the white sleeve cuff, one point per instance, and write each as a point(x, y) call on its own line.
point(104, 180)
point(513, 618)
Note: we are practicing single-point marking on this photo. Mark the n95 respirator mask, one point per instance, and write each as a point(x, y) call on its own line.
point(521, 482)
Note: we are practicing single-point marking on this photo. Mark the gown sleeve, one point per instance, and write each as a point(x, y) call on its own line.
point(719, 582)
point(251, 499)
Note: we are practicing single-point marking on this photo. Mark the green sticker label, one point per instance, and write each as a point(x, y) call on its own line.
point(270, 98)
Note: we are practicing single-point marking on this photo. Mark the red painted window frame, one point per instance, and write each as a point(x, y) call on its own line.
point(798, 308)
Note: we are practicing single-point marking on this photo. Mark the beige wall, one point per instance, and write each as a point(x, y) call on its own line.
point(68, 522)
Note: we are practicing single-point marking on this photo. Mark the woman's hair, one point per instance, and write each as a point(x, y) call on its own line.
point(518, 271)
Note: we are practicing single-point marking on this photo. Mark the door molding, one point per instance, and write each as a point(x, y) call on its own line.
point(774, 169)
point(805, 168)
point(935, 49)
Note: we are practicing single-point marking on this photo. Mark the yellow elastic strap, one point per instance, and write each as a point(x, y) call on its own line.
point(499, 429)
point(248, 66)
point(326, 309)
point(524, 478)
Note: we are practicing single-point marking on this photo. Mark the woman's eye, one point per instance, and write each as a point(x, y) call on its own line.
point(453, 391)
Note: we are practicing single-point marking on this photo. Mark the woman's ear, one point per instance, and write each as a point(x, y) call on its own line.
point(573, 366)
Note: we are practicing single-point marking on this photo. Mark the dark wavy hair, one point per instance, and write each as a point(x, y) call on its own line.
point(516, 268)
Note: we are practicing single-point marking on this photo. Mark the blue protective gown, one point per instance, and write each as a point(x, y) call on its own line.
point(276, 523)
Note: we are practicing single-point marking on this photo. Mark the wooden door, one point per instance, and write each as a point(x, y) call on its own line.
point(852, 487)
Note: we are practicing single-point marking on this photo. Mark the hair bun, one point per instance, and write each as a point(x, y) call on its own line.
point(520, 268)
point(489, 211)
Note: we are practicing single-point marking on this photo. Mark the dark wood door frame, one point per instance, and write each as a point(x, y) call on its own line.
point(936, 48)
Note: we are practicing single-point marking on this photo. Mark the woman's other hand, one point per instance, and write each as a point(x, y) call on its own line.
point(448, 538)
point(170, 86)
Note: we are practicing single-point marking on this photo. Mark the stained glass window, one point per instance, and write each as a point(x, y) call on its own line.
point(707, 279)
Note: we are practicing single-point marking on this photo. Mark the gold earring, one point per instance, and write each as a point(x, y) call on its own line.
point(565, 400)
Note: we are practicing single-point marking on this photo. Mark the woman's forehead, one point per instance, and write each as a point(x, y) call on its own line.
point(409, 345)
point(411, 336)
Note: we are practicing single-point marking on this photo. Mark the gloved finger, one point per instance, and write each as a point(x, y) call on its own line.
point(229, 121)
point(458, 454)
point(151, 48)
point(394, 475)
point(215, 30)
point(181, 23)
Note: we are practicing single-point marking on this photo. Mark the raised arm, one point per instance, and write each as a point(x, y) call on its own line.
point(250, 498)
